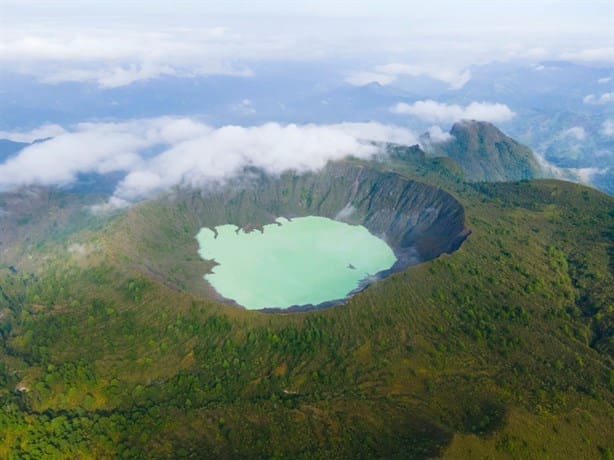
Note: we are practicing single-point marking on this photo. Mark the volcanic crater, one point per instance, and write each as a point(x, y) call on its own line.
point(418, 221)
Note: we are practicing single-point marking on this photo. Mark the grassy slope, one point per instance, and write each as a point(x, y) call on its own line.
point(498, 350)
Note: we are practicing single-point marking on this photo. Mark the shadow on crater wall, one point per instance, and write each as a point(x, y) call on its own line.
point(417, 220)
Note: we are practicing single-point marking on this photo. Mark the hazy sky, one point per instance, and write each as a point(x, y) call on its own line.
point(118, 42)
point(531, 12)
point(115, 43)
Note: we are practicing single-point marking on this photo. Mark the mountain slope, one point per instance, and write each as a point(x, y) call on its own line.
point(9, 148)
point(502, 347)
point(486, 154)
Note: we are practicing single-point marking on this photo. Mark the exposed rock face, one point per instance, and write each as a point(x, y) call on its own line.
point(486, 154)
point(418, 221)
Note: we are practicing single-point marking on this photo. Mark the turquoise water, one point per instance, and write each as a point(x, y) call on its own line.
point(306, 260)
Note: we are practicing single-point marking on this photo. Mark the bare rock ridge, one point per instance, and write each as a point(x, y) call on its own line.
point(487, 154)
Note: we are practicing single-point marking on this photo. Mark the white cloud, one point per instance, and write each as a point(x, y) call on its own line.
point(604, 80)
point(378, 132)
point(455, 78)
point(582, 175)
point(193, 153)
point(244, 107)
point(436, 112)
point(577, 132)
point(114, 77)
point(437, 135)
point(586, 175)
point(93, 147)
point(534, 53)
point(60, 159)
point(388, 73)
point(607, 128)
point(604, 54)
point(113, 44)
point(605, 98)
point(118, 57)
point(275, 148)
point(43, 132)
point(365, 78)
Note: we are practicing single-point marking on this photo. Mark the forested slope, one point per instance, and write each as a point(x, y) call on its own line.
point(502, 348)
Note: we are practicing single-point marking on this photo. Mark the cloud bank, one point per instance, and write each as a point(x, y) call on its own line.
point(42, 132)
point(389, 73)
point(119, 57)
point(577, 132)
point(114, 43)
point(607, 128)
point(438, 135)
point(437, 112)
point(190, 153)
point(605, 98)
point(366, 78)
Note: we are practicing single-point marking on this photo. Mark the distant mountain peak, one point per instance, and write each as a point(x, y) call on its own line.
point(10, 148)
point(481, 131)
point(487, 154)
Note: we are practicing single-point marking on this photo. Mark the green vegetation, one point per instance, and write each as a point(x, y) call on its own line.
point(502, 349)
point(486, 154)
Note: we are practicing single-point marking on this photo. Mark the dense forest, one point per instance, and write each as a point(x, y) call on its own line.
point(500, 349)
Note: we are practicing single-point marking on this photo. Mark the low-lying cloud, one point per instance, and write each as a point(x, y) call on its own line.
point(577, 132)
point(191, 153)
point(602, 54)
point(605, 98)
point(366, 78)
point(437, 135)
point(114, 46)
point(437, 112)
point(42, 132)
point(389, 73)
point(607, 128)
point(118, 57)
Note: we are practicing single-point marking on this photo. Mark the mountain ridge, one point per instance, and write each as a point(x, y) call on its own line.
point(500, 347)
point(485, 153)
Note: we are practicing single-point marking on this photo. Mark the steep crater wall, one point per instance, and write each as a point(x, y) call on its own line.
point(418, 221)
